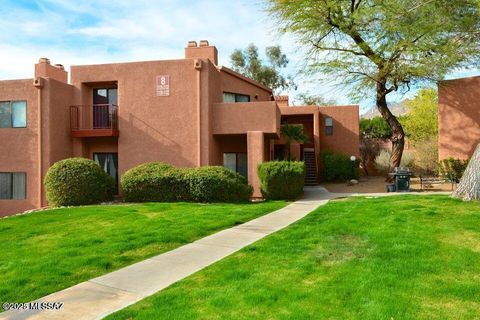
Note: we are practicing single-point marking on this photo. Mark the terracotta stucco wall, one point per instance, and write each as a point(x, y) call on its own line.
point(345, 138)
point(459, 117)
point(151, 128)
point(19, 146)
point(238, 118)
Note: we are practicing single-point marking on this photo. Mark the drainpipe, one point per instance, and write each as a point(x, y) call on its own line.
point(39, 83)
point(198, 67)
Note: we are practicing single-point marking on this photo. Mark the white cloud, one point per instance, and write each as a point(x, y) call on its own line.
point(102, 31)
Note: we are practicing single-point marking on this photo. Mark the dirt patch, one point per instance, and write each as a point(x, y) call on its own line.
point(378, 184)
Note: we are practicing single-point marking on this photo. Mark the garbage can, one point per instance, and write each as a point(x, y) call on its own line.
point(391, 187)
point(402, 179)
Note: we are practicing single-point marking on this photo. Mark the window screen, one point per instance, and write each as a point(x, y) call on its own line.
point(5, 115)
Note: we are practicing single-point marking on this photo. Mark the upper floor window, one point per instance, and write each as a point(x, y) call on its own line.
point(105, 96)
point(13, 114)
point(235, 97)
point(13, 185)
point(328, 126)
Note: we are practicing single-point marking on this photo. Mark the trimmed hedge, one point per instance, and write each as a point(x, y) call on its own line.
point(217, 184)
point(281, 179)
point(338, 166)
point(153, 182)
point(160, 182)
point(77, 181)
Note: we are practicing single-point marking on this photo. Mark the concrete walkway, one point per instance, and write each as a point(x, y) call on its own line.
point(99, 297)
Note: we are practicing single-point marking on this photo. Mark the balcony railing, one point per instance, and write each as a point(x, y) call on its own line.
point(94, 120)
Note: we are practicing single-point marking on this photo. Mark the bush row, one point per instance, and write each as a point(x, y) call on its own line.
point(338, 166)
point(162, 182)
point(79, 181)
point(281, 179)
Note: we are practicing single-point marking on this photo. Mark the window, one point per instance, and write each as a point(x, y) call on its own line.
point(13, 114)
point(109, 163)
point(237, 162)
point(235, 97)
point(328, 126)
point(13, 185)
point(105, 96)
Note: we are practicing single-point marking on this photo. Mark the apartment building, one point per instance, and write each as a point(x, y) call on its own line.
point(458, 117)
point(187, 112)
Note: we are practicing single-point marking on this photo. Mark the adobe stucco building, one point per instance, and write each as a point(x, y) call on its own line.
point(186, 112)
point(459, 117)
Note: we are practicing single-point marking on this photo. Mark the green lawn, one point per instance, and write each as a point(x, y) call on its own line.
point(47, 251)
point(405, 257)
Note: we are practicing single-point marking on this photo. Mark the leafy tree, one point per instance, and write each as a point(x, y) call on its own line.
point(248, 63)
point(375, 128)
point(383, 45)
point(421, 122)
point(292, 132)
point(307, 99)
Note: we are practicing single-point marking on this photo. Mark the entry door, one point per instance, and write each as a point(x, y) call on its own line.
point(109, 163)
point(103, 98)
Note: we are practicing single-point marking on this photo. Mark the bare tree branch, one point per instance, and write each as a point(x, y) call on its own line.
point(319, 47)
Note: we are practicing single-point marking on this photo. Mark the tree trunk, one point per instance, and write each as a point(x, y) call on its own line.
point(287, 150)
point(398, 135)
point(469, 186)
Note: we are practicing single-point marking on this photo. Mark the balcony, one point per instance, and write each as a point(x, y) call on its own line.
point(239, 118)
point(98, 120)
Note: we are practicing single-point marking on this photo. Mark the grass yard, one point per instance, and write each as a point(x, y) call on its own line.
point(402, 257)
point(47, 251)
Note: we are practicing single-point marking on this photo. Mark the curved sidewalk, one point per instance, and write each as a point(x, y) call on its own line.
point(99, 297)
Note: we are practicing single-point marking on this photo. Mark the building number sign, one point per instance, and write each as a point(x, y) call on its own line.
point(163, 86)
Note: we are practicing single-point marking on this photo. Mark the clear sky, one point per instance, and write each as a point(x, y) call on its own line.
point(102, 31)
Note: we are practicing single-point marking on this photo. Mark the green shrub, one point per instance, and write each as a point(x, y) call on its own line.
point(155, 182)
point(281, 179)
point(77, 181)
point(452, 168)
point(160, 182)
point(216, 184)
point(338, 166)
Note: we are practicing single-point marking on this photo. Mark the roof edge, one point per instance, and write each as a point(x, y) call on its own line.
point(242, 77)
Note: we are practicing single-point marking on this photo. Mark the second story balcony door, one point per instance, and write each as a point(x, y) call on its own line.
point(103, 100)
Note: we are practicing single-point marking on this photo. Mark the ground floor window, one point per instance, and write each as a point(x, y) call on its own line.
point(13, 185)
point(109, 163)
point(236, 161)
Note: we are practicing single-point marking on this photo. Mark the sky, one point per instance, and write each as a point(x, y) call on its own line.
point(103, 31)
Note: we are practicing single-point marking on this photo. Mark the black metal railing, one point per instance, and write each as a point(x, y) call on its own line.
point(94, 117)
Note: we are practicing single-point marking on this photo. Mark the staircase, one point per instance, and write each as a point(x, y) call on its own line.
point(310, 168)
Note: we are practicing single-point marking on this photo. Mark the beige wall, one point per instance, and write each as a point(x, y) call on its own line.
point(459, 117)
